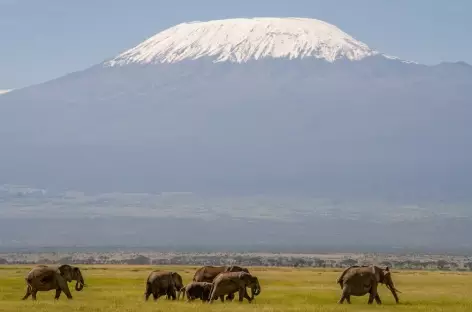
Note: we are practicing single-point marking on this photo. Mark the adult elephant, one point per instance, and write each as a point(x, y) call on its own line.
point(362, 280)
point(161, 283)
point(231, 282)
point(209, 273)
point(45, 278)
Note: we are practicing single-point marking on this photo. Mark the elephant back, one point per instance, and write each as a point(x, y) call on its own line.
point(40, 273)
point(236, 268)
point(162, 278)
point(207, 273)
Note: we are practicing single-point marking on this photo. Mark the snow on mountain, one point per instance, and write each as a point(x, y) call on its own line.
point(242, 39)
point(4, 91)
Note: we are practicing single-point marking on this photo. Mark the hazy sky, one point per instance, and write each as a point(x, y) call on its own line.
point(44, 39)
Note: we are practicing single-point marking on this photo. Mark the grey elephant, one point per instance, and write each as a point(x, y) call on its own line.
point(161, 283)
point(197, 290)
point(231, 282)
point(209, 273)
point(362, 280)
point(45, 278)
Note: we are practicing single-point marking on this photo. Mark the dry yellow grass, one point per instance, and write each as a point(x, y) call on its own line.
point(121, 288)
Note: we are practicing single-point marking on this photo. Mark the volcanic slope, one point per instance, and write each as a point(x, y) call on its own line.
point(262, 105)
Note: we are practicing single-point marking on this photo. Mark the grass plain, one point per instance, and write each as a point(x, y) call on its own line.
point(121, 288)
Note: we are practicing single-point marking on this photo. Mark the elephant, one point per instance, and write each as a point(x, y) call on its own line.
point(209, 273)
point(161, 283)
point(231, 282)
point(194, 290)
point(360, 280)
point(45, 278)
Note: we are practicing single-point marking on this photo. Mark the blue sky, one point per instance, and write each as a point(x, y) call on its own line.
point(44, 39)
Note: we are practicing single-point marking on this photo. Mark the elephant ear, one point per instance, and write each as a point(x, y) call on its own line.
point(76, 272)
point(385, 276)
point(66, 271)
point(64, 268)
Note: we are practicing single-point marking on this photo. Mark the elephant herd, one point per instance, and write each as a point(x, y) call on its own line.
point(210, 283)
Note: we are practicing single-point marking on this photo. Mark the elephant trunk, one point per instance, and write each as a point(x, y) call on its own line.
point(256, 290)
point(79, 285)
point(394, 291)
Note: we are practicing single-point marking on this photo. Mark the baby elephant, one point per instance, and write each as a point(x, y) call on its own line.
point(197, 290)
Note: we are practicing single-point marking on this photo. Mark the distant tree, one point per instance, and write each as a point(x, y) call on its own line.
point(468, 265)
point(441, 264)
point(65, 260)
point(319, 262)
point(299, 262)
point(139, 260)
point(387, 263)
point(348, 262)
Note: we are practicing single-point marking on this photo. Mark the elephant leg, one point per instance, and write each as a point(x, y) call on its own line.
point(348, 299)
point(33, 294)
point(67, 292)
point(230, 297)
point(222, 298)
point(377, 299)
point(171, 293)
point(246, 295)
point(28, 293)
point(148, 291)
point(344, 295)
point(241, 294)
point(62, 284)
point(58, 294)
point(371, 299)
point(372, 293)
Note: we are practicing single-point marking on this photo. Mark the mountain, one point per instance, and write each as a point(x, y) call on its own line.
point(246, 105)
point(242, 107)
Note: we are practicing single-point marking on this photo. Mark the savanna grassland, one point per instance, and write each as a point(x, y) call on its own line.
point(121, 288)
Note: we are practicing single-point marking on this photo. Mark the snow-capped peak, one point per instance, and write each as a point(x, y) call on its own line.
point(4, 91)
point(243, 39)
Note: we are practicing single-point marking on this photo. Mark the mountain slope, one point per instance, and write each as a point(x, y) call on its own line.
point(225, 120)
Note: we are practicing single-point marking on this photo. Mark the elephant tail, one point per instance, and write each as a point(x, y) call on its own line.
point(28, 280)
point(148, 291)
point(340, 279)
